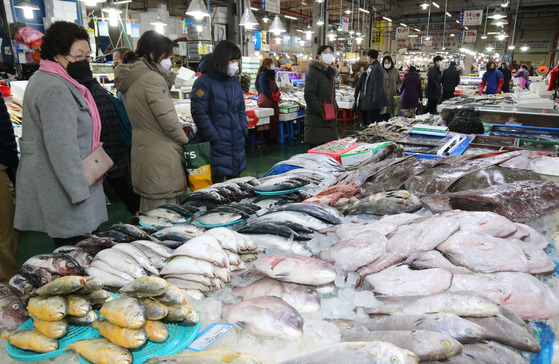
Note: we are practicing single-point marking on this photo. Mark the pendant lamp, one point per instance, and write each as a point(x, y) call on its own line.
point(277, 26)
point(27, 7)
point(248, 20)
point(197, 9)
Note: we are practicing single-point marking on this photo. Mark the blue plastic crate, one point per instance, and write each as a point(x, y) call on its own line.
point(528, 131)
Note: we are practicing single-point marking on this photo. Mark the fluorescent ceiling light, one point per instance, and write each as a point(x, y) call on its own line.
point(253, 9)
point(27, 7)
point(457, 22)
point(524, 48)
point(290, 17)
point(437, 5)
point(511, 47)
point(425, 5)
point(466, 28)
point(348, 11)
point(448, 14)
point(417, 30)
point(452, 34)
point(484, 36)
point(364, 10)
point(413, 36)
point(402, 24)
point(387, 19)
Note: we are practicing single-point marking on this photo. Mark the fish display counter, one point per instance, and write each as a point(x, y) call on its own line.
point(394, 258)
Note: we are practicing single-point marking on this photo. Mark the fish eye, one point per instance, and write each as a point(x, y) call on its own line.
point(470, 332)
point(527, 340)
point(16, 306)
point(446, 344)
point(394, 359)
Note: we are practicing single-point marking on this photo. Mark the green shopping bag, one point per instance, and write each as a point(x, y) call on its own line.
point(198, 159)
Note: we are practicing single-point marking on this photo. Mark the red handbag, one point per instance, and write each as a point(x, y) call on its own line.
point(328, 110)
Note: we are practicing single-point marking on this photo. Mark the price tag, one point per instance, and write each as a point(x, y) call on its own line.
point(209, 335)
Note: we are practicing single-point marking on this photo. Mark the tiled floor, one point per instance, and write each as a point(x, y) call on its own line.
point(259, 160)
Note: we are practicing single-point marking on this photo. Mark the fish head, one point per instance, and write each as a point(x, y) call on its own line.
point(12, 312)
point(464, 330)
point(66, 265)
point(383, 350)
point(288, 321)
point(36, 275)
point(451, 347)
point(306, 299)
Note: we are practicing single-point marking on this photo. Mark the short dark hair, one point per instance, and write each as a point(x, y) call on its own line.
point(59, 37)
point(488, 65)
point(437, 58)
point(412, 69)
point(373, 53)
point(153, 42)
point(322, 48)
point(224, 52)
point(121, 50)
point(452, 64)
point(524, 66)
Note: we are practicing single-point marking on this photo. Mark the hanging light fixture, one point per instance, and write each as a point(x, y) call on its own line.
point(497, 14)
point(484, 36)
point(27, 7)
point(197, 9)
point(499, 22)
point(309, 32)
point(90, 3)
point(114, 15)
point(524, 48)
point(501, 36)
point(265, 19)
point(320, 21)
point(425, 5)
point(159, 25)
point(277, 26)
point(248, 20)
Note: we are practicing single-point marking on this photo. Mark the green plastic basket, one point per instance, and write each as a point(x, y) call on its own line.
point(74, 334)
point(180, 336)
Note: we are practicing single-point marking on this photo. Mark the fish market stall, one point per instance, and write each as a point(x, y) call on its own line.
point(398, 258)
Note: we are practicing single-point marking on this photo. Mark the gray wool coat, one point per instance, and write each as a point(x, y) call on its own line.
point(50, 179)
point(369, 90)
point(392, 84)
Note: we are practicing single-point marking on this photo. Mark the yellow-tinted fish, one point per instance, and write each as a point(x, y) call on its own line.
point(154, 310)
point(31, 340)
point(101, 351)
point(208, 357)
point(52, 329)
point(48, 308)
point(172, 295)
point(98, 296)
point(127, 338)
point(91, 284)
point(156, 330)
point(62, 285)
point(124, 311)
point(78, 305)
point(145, 286)
point(84, 320)
point(185, 314)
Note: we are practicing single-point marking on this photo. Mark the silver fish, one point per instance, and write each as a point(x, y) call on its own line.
point(187, 230)
point(400, 280)
point(158, 222)
point(491, 352)
point(121, 261)
point(296, 269)
point(218, 218)
point(353, 253)
point(138, 255)
point(172, 216)
point(502, 330)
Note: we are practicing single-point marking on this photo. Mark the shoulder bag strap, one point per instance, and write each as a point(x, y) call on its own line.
point(33, 117)
point(333, 89)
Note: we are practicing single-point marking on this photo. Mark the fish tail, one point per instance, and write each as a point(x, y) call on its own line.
point(71, 346)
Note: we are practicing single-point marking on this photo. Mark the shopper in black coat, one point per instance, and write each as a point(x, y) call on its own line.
point(507, 76)
point(411, 93)
point(434, 79)
point(450, 79)
point(9, 237)
point(118, 177)
point(369, 92)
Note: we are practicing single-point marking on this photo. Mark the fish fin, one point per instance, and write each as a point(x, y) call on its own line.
point(242, 324)
point(71, 346)
point(279, 260)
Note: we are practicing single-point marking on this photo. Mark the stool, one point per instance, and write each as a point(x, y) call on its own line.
point(255, 137)
point(346, 115)
point(299, 128)
point(285, 130)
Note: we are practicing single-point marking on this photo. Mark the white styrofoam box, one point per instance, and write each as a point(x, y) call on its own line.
point(287, 117)
point(345, 104)
point(18, 89)
point(262, 112)
point(263, 121)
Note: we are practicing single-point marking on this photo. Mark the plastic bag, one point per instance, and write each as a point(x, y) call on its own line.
point(198, 165)
point(28, 36)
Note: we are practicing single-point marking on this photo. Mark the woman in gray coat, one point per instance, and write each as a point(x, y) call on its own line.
point(52, 192)
point(392, 84)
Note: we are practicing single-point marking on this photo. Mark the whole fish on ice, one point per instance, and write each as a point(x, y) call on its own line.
point(296, 269)
point(400, 280)
point(384, 203)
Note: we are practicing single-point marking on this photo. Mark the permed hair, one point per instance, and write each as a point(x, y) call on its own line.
point(59, 37)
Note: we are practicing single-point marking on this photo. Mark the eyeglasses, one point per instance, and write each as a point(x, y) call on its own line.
point(81, 58)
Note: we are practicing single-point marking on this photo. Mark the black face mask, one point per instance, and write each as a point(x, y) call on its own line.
point(78, 70)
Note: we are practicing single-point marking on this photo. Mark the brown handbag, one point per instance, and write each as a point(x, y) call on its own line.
point(95, 165)
point(328, 110)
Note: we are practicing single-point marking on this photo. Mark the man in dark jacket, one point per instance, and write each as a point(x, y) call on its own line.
point(450, 79)
point(507, 76)
point(9, 237)
point(433, 92)
point(369, 92)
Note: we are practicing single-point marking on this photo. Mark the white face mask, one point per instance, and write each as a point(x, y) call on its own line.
point(232, 69)
point(327, 58)
point(387, 65)
point(166, 63)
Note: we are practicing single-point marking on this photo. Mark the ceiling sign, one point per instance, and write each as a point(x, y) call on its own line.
point(471, 17)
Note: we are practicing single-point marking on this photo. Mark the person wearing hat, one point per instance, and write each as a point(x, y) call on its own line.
point(434, 80)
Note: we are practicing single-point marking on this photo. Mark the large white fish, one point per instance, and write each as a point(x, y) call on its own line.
point(400, 280)
point(483, 222)
point(434, 259)
point(287, 245)
point(353, 253)
point(183, 264)
point(121, 261)
point(99, 264)
point(158, 248)
point(232, 240)
point(204, 247)
point(184, 229)
point(108, 278)
point(385, 225)
point(303, 298)
point(267, 316)
point(167, 214)
point(532, 236)
point(411, 240)
point(484, 253)
point(522, 293)
point(377, 352)
point(458, 303)
point(137, 254)
point(538, 260)
point(296, 269)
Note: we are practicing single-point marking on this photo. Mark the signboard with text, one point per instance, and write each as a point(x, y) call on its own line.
point(471, 17)
point(469, 36)
point(345, 23)
point(377, 34)
point(273, 6)
point(402, 33)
